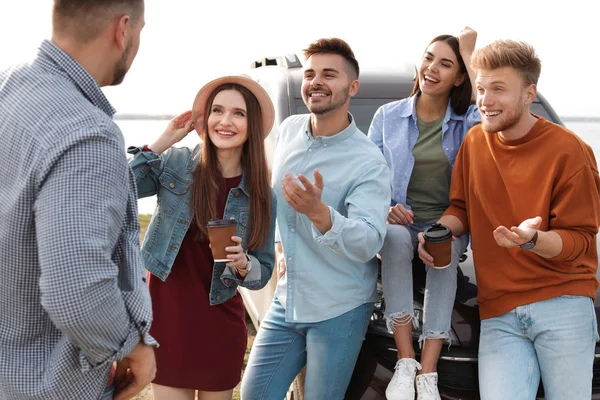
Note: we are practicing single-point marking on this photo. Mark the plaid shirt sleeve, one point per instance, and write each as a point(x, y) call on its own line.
point(81, 221)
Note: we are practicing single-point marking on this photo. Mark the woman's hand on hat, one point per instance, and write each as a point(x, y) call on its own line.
point(180, 126)
point(176, 130)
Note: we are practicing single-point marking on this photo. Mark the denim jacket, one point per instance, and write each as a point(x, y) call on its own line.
point(394, 130)
point(170, 177)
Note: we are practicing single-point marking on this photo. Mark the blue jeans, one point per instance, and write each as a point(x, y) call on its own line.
point(553, 338)
point(396, 274)
point(329, 350)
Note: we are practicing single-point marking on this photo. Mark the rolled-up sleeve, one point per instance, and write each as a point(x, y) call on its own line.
point(360, 235)
point(262, 260)
point(147, 167)
point(79, 214)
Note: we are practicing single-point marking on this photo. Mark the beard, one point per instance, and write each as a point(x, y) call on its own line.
point(121, 67)
point(509, 119)
point(335, 102)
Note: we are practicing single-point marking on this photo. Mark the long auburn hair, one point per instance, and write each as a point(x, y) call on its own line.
point(460, 96)
point(208, 180)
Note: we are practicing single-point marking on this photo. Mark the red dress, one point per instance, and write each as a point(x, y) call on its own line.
point(202, 347)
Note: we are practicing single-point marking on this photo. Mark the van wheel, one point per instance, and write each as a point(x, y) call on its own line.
point(296, 390)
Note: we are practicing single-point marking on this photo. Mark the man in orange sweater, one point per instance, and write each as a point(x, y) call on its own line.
point(528, 191)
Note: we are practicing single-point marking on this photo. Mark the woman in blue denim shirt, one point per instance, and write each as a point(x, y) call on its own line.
point(420, 137)
point(199, 317)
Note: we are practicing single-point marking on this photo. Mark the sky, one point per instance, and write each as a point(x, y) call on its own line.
point(187, 42)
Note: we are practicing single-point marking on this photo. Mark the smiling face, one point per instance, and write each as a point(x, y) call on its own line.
point(440, 70)
point(503, 99)
point(228, 120)
point(327, 85)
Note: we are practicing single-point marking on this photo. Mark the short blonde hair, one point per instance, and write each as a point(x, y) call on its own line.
point(509, 53)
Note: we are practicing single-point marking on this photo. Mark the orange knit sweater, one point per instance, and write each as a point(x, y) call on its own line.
point(549, 172)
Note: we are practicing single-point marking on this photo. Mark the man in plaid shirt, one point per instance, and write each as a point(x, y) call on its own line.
point(73, 298)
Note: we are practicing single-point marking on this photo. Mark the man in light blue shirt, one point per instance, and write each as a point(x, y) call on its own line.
point(333, 189)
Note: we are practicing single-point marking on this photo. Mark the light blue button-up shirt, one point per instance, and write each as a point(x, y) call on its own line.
point(394, 130)
point(328, 275)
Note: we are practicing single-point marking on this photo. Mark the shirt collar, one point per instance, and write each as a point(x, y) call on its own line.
point(410, 109)
point(338, 137)
point(84, 81)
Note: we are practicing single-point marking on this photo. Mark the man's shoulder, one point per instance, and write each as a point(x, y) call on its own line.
point(561, 141)
point(49, 106)
point(474, 135)
point(362, 146)
point(294, 123)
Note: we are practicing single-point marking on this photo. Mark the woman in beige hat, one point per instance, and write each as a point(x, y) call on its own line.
point(199, 318)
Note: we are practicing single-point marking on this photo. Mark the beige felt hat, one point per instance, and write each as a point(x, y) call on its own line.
point(266, 105)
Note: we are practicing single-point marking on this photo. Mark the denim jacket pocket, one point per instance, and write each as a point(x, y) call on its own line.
point(243, 224)
point(173, 184)
point(171, 188)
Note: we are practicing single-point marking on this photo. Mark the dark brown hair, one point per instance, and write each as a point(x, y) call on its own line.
point(508, 53)
point(84, 20)
point(461, 97)
point(334, 46)
point(208, 181)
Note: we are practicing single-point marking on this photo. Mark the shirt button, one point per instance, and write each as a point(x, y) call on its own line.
point(144, 280)
point(237, 194)
point(171, 185)
point(218, 298)
point(289, 258)
point(143, 324)
point(292, 230)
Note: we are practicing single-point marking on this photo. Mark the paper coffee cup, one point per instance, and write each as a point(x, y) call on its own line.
point(220, 232)
point(438, 243)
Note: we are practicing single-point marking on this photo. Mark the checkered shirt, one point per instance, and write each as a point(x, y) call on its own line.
point(73, 297)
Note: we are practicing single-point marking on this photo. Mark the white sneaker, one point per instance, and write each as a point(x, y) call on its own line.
point(427, 387)
point(402, 385)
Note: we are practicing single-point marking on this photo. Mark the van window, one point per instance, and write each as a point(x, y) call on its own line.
point(362, 110)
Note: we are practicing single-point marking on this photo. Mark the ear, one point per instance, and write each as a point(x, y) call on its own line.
point(460, 80)
point(121, 31)
point(354, 86)
point(531, 93)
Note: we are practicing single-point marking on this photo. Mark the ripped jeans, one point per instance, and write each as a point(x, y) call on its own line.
point(440, 288)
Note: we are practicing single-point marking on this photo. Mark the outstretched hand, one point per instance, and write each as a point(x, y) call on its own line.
point(305, 200)
point(517, 235)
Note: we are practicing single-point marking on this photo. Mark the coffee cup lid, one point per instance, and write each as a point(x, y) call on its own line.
point(214, 223)
point(437, 233)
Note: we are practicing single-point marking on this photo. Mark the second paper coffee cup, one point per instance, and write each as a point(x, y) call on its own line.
point(220, 232)
point(438, 243)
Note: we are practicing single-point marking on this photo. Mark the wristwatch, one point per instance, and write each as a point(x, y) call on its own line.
point(531, 244)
